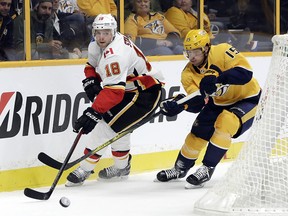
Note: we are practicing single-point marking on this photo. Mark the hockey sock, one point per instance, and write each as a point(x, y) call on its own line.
point(184, 163)
point(213, 155)
point(90, 163)
point(121, 158)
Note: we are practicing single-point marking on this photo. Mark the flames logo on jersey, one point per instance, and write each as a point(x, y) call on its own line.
point(156, 27)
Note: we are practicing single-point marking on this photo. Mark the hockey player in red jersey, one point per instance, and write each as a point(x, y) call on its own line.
point(123, 88)
point(226, 107)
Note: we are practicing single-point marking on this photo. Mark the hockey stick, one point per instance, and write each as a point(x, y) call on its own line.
point(46, 159)
point(63, 166)
point(46, 195)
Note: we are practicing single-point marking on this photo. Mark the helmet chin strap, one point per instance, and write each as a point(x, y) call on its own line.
point(203, 62)
point(114, 35)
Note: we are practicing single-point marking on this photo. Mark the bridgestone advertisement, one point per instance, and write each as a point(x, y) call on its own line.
point(38, 106)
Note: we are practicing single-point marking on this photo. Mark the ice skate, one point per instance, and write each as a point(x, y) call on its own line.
point(170, 174)
point(112, 172)
point(197, 179)
point(77, 177)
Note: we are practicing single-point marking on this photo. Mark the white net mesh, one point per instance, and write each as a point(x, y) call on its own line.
point(257, 182)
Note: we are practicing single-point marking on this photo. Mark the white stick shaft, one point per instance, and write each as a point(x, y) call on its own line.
point(223, 89)
point(188, 97)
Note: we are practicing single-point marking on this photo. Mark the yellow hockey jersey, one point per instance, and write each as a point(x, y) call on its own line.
point(95, 7)
point(186, 21)
point(232, 69)
point(154, 26)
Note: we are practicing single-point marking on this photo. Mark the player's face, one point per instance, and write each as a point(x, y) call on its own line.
point(196, 56)
point(103, 37)
point(5, 7)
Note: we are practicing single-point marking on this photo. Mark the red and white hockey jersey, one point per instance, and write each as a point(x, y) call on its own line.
point(121, 67)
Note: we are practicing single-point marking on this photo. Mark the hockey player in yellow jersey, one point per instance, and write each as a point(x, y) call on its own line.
point(226, 106)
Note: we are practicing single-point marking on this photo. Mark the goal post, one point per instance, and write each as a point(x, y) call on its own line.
point(256, 183)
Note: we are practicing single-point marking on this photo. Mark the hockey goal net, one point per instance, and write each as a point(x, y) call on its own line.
point(256, 183)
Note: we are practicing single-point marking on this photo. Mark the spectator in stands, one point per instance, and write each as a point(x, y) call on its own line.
point(42, 43)
point(154, 6)
point(16, 7)
point(248, 15)
point(283, 16)
point(6, 30)
point(223, 7)
point(184, 18)
point(151, 31)
point(69, 28)
point(249, 19)
point(92, 8)
point(68, 6)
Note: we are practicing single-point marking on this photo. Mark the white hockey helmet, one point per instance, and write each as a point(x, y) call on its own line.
point(104, 21)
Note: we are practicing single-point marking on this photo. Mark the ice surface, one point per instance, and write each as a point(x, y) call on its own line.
point(139, 195)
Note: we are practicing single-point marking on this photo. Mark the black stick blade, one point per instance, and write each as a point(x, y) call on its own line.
point(36, 194)
point(47, 160)
point(51, 162)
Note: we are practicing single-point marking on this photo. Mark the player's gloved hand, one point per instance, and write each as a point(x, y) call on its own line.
point(208, 85)
point(170, 107)
point(87, 121)
point(92, 87)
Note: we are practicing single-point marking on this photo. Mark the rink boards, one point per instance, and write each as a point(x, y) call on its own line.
point(39, 104)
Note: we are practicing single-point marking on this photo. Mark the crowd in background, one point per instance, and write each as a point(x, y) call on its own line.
point(61, 29)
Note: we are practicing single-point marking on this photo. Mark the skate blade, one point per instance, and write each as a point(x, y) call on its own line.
point(71, 184)
point(156, 180)
point(114, 179)
point(191, 186)
point(172, 180)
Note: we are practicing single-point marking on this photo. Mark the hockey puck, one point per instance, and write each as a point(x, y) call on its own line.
point(64, 201)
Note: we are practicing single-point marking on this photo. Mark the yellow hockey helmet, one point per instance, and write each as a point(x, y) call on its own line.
point(195, 39)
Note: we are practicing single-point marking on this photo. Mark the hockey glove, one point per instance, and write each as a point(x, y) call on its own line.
point(87, 121)
point(92, 87)
point(170, 107)
point(208, 85)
